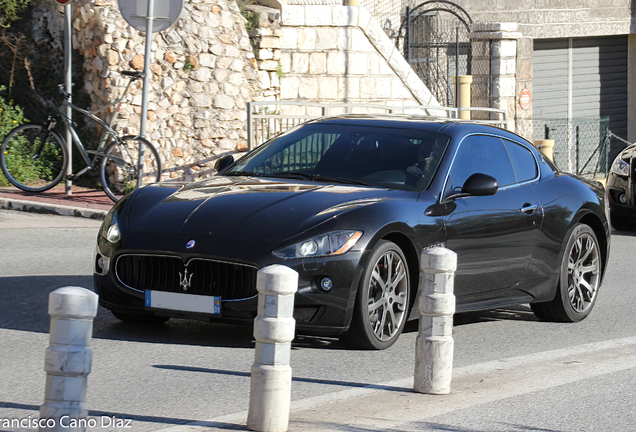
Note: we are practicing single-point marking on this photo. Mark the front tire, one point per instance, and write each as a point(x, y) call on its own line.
point(383, 299)
point(579, 280)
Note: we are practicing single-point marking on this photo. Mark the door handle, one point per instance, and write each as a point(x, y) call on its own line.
point(528, 209)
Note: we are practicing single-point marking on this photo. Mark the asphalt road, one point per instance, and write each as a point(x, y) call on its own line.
point(512, 372)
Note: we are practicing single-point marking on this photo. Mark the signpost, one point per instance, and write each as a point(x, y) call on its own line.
point(149, 16)
point(68, 86)
point(136, 13)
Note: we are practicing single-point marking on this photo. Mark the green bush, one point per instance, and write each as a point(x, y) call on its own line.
point(9, 10)
point(30, 170)
point(11, 116)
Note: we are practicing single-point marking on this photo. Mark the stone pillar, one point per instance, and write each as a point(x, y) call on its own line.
point(270, 392)
point(68, 359)
point(524, 112)
point(503, 64)
point(434, 344)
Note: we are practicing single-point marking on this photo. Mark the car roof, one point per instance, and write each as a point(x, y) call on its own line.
point(447, 126)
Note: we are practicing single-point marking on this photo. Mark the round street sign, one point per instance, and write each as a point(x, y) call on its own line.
point(524, 99)
point(62, 2)
point(135, 12)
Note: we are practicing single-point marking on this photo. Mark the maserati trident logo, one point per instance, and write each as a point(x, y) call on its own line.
point(184, 280)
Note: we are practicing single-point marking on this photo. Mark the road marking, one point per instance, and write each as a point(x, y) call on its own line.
point(374, 408)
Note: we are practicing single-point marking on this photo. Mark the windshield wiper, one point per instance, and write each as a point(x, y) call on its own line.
point(344, 180)
point(304, 176)
point(240, 173)
point(293, 174)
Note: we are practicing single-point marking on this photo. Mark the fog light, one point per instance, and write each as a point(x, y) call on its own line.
point(99, 264)
point(622, 198)
point(102, 264)
point(326, 284)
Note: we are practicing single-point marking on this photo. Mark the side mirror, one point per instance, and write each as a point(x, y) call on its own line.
point(480, 185)
point(223, 162)
point(477, 184)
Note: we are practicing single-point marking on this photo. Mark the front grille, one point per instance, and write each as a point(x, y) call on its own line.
point(204, 277)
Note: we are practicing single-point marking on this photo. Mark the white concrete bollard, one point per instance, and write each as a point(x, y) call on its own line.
point(434, 345)
point(274, 328)
point(68, 359)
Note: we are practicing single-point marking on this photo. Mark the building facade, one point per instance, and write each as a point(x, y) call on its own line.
point(563, 68)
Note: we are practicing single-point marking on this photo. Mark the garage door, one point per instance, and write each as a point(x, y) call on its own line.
point(582, 77)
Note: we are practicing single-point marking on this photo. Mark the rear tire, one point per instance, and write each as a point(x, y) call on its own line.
point(119, 171)
point(579, 280)
point(140, 318)
point(29, 164)
point(383, 299)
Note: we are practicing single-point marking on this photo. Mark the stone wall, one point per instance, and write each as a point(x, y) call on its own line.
point(204, 71)
point(333, 53)
point(556, 18)
point(202, 75)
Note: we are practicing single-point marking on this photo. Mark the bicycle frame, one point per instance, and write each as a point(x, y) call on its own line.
point(108, 130)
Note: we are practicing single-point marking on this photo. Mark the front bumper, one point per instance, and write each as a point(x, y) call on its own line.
point(618, 186)
point(315, 311)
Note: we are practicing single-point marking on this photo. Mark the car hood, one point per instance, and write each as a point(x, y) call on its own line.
point(245, 208)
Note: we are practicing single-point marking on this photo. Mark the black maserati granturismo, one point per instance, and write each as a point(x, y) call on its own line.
point(350, 203)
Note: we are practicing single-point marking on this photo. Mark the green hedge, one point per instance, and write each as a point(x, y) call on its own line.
point(11, 116)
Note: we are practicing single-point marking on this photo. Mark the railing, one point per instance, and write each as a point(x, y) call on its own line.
point(267, 119)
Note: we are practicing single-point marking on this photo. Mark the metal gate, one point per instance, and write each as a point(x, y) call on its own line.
point(434, 38)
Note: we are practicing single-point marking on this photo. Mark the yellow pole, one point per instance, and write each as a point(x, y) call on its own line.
point(545, 146)
point(463, 99)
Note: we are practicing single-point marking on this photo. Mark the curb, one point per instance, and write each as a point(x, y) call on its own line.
point(56, 209)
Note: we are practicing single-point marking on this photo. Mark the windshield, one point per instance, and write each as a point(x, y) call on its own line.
point(394, 158)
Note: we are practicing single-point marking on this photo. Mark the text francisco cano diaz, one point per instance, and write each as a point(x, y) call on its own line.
point(66, 422)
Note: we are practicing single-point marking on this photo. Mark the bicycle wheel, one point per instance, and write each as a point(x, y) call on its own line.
point(33, 158)
point(119, 172)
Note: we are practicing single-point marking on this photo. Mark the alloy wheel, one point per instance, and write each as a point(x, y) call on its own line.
point(583, 273)
point(387, 296)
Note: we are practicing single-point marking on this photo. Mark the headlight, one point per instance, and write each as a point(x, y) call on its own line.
point(620, 167)
point(110, 228)
point(328, 244)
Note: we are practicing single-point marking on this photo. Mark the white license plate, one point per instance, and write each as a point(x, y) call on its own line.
point(183, 302)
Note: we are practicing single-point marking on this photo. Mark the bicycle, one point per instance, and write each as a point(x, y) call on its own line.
point(34, 157)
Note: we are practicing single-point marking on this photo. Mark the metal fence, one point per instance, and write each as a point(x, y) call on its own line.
point(581, 144)
point(388, 13)
point(267, 119)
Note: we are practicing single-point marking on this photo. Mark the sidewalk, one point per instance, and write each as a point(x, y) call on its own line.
point(84, 202)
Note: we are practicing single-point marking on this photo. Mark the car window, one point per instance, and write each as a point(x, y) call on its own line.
point(481, 154)
point(387, 157)
point(302, 154)
point(523, 162)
